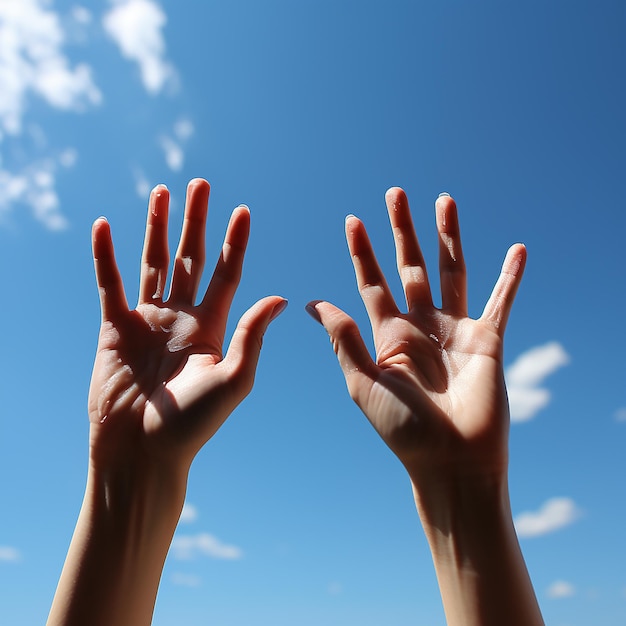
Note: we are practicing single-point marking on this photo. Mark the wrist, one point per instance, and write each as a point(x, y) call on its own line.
point(480, 568)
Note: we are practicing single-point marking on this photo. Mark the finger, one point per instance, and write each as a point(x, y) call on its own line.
point(355, 361)
point(189, 261)
point(245, 347)
point(452, 272)
point(371, 282)
point(227, 274)
point(110, 286)
point(500, 302)
point(411, 266)
point(156, 257)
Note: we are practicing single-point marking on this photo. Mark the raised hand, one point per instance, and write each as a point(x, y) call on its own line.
point(161, 387)
point(160, 379)
point(435, 391)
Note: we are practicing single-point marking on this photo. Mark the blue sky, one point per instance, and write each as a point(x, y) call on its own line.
point(307, 111)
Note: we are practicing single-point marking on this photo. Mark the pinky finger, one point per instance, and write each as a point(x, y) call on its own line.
point(500, 302)
point(110, 287)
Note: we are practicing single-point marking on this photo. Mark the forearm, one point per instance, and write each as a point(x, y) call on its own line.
point(480, 568)
point(113, 568)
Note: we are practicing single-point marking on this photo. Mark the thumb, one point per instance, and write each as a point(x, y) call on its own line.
point(245, 346)
point(354, 358)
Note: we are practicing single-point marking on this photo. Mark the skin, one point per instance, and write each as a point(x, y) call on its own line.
point(161, 387)
point(435, 393)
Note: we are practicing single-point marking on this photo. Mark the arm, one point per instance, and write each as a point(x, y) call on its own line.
point(159, 391)
point(436, 395)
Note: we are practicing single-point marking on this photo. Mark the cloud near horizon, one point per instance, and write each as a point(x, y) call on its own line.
point(525, 376)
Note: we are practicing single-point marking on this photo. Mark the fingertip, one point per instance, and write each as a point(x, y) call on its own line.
point(444, 199)
point(100, 235)
point(100, 222)
point(515, 259)
point(311, 309)
point(393, 194)
point(159, 190)
point(199, 182)
point(446, 214)
point(352, 223)
point(279, 307)
point(242, 209)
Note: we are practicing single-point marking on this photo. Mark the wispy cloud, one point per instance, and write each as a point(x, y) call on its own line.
point(142, 184)
point(136, 27)
point(34, 185)
point(174, 155)
point(81, 14)
point(525, 376)
point(184, 129)
point(32, 61)
point(33, 64)
point(189, 513)
point(9, 554)
point(555, 513)
point(620, 415)
point(560, 589)
point(186, 547)
point(172, 146)
point(185, 580)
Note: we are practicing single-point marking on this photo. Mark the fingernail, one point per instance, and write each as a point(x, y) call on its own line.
point(243, 206)
point(444, 194)
point(278, 309)
point(312, 311)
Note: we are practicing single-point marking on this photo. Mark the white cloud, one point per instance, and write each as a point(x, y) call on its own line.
point(32, 61)
point(186, 547)
point(189, 514)
point(560, 589)
point(185, 580)
point(142, 185)
point(555, 513)
point(136, 27)
point(81, 14)
point(174, 155)
point(68, 157)
point(527, 373)
point(172, 148)
point(9, 554)
point(34, 186)
point(620, 415)
point(183, 128)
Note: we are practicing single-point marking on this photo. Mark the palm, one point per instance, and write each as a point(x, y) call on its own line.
point(440, 389)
